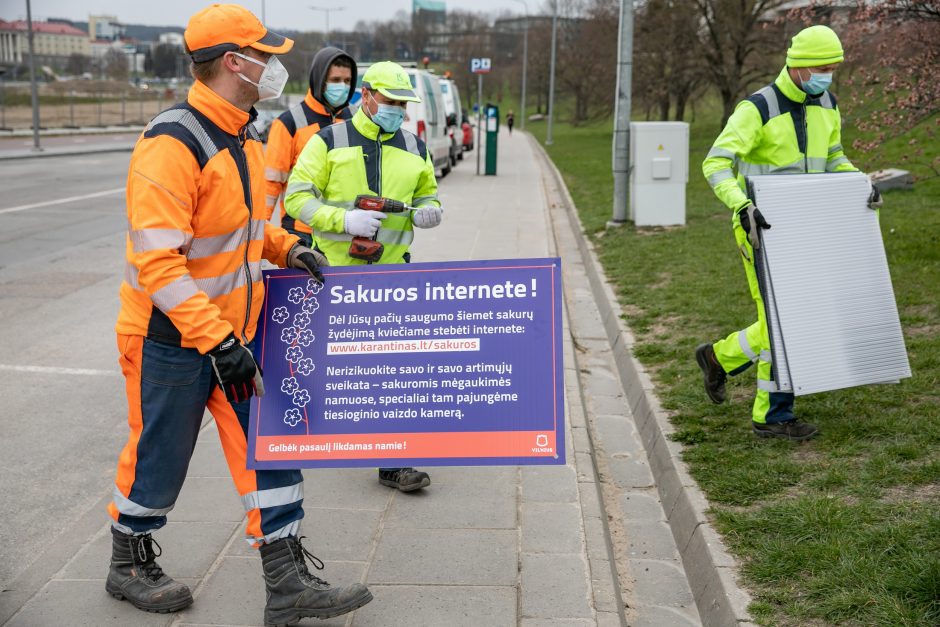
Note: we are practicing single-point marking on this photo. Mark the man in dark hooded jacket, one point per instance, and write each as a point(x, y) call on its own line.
point(332, 84)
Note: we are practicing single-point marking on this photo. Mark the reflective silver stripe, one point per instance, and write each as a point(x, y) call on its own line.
point(719, 176)
point(253, 132)
point(220, 285)
point(816, 164)
point(202, 247)
point(269, 200)
point(174, 293)
point(303, 186)
point(273, 174)
point(273, 497)
point(720, 152)
point(386, 236)
point(420, 200)
point(308, 210)
point(130, 508)
point(156, 239)
point(766, 357)
point(130, 275)
point(395, 238)
point(189, 121)
point(773, 105)
point(746, 346)
point(290, 529)
point(832, 165)
point(753, 169)
point(767, 386)
point(835, 149)
point(340, 136)
point(257, 230)
point(411, 143)
point(297, 112)
point(335, 237)
point(825, 101)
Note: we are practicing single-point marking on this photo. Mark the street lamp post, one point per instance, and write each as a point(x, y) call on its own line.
point(32, 77)
point(326, 11)
point(525, 60)
point(551, 75)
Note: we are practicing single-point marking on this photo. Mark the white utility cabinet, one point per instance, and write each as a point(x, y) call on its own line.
point(659, 156)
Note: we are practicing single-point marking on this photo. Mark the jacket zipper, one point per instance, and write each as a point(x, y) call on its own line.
point(242, 136)
point(805, 142)
point(378, 168)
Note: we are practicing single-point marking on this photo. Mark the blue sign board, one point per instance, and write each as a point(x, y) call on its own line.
point(442, 364)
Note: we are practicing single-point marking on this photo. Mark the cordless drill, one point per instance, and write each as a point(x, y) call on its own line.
point(363, 247)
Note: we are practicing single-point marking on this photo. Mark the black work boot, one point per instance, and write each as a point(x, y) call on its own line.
point(293, 593)
point(789, 430)
point(405, 479)
point(136, 577)
point(714, 374)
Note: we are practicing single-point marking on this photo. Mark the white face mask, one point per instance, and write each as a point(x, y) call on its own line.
point(272, 80)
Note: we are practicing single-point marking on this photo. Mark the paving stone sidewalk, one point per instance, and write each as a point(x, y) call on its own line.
point(510, 546)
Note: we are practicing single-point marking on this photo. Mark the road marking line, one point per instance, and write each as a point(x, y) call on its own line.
point(62, 201)
point(54, 370)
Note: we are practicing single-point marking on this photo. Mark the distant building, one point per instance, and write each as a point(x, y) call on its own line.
point(105, 28)
point(431, 14)
point(174, 39)
point(53, 43)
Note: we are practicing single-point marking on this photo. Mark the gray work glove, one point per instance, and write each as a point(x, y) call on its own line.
point(304, 258)
point(874, 199)
point(362, 222)
point(427, 217)
point(751, 216)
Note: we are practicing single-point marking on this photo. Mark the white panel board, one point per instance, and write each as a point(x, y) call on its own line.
point(835, 313)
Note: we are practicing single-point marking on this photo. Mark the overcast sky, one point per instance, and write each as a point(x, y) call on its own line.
point(279, 14)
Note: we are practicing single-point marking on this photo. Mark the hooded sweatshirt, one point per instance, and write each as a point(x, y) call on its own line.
point(292, 129)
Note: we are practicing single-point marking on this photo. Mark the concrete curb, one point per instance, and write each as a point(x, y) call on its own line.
point(30, 154)
point(712, 571)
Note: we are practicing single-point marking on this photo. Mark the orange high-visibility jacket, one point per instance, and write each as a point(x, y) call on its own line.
point(197, 227)
point(289, 133)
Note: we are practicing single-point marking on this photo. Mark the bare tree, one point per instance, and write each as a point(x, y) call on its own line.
point(115, 64)
point(735, 34)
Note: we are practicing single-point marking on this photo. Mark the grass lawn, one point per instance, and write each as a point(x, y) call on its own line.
point(844, 529)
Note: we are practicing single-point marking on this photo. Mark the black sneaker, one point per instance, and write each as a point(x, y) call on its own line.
point(405, 479)
point(789, 430)
point(713, 372)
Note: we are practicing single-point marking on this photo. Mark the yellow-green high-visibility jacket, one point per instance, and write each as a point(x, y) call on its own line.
point(351, 158)
point(778, 129)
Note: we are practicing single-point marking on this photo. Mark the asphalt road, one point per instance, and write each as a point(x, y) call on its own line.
point(62, 407)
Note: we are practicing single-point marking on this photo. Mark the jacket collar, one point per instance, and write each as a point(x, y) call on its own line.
point(315, 105)
point(220, 111)
point(789, 88)
point(368, 128)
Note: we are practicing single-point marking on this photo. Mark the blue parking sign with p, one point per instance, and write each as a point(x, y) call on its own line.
point(480, 65)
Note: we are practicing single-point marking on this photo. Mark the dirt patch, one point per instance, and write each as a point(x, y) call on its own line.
point(907, 494)
point(927, 329)
point(631, 311)
point(920, 311)
point(664, 326)
point(663, 279)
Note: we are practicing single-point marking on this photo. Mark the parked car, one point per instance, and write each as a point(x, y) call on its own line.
point(467, 129)
point(426, 119)
point(454, 114)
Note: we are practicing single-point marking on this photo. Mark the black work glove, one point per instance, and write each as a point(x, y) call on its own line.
point(236, 370)
point(751, 215)
point(874, 198)
point(304, 258)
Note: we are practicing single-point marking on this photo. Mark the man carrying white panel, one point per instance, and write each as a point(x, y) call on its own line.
point(790, 126)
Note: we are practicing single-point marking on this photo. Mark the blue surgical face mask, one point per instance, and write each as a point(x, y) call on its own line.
point(336, 94)
point(388, 117)
point(817, 83)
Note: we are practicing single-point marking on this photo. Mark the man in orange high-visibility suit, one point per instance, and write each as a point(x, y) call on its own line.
point(332, 84)
point(190, 302)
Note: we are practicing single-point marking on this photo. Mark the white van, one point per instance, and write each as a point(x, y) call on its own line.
point(426, 119)
point(454, 112)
